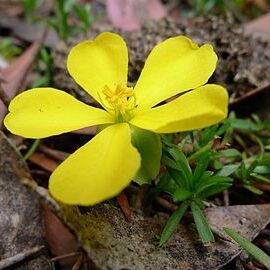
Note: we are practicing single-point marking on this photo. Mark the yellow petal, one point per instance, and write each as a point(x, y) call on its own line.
point(174, 66)
point(43, 112)
point(202, 107)
point(99, 170)
point(99, 62)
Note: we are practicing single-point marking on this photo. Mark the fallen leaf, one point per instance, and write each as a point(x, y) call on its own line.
point(43, 161)
point(12, 78)
point(20, 216)
point(259, 27)
point(61, 241)
point(27, 32)
point(129, 15)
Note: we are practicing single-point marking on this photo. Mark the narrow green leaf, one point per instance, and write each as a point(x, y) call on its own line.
point(213, 189)
point(202, 224)
point(229, 153)
point(182, 162)
point(179, 178)
point(244, 124)
point(172, 223)
point(252, 166)
point(250, 248)
point(228, 170)
point(223, 128)
point(149, 146)
point(215, 179)
point(262, 169)
point(168, 162)
point(201, 167)
point(165, 184)
point(181, 194)
point(253, 189)
point(207, 135)
point(260, 178)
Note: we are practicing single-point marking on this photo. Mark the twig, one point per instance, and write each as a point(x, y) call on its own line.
point(56, 154)
point(78, 263)
point(140, 197)
point(20, 257)
point(124, 205)
point(62, 257)
point(166, 204)
point(226, 198)
point(249, 94)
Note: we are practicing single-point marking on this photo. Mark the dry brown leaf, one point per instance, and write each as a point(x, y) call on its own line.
point(13, 77)
point(43, 161)
point(20, 216)
point(60, 240)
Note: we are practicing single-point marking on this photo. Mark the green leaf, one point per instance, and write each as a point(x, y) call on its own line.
point(149, 146)
point(172, 223)
point(182, 163)
point(244, 124)
point(202, 224)
point(250, 248)
point(181, 194)
point(253, 189)
point(212, 190)
point(228, 170)
point(228, 153)
point(208, 134)
point(262, 169)
point(215, 179)
point(165, 184)
point(260, 178)
point(213, 185)
point(168, 162)
point(201, 167)
point(252, 166)
point(179, 178)
point(223, 128)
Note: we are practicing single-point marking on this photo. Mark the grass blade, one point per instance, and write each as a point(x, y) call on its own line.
point(250, 248)
point(172, 223)
point(202, 224)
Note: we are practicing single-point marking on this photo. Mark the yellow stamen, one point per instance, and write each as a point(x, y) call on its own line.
point(121, 101)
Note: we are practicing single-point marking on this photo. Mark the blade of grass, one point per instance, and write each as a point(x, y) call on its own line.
point(202, 224)
point(253, 250)
point(172, 223)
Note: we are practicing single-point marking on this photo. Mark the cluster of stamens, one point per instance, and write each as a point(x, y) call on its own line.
point(121, 101)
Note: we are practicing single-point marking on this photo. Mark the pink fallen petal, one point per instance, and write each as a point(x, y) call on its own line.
point(129, 15)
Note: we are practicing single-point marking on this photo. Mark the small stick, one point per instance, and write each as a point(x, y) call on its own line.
point(56, 154)
point(140, 197)
point(62, 257)
point(20, 257)
point(226, 198)
point(249, 94)
point(166, 204)
point(124, 205)
point(78, 263)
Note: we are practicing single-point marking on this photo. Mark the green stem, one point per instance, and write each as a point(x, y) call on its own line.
point(32, 149)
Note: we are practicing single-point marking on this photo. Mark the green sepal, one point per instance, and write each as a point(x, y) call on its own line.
point(150, 148)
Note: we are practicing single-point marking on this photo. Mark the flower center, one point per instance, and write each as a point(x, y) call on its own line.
point(121, 101)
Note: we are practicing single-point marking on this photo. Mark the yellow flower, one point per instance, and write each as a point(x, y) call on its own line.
point(105, 165)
